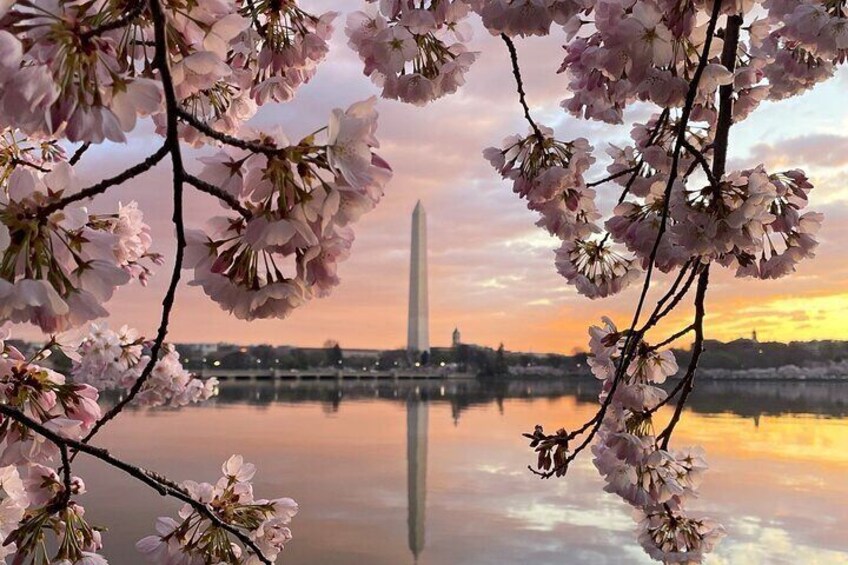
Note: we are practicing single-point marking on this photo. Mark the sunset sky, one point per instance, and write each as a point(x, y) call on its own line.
point(491, 269)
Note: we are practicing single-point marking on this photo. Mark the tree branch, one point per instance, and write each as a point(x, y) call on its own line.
point(122, 21)
point(204, 186)
point(106, 184)
point(522, 98)
point(633, 337)
point(163, 486)
point(697, 349)
point(79, 153)
point(172, 146)
point(224, 138)
point(672, 337)
point(701, 160)
point(633, 169)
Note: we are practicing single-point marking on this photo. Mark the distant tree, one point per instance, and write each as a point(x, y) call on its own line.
point(299, 359)
point(237, 360)
point(265, 354)
point(335, 356)
point(501, 367)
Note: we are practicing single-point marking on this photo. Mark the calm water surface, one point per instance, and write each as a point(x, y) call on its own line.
point(437, 474)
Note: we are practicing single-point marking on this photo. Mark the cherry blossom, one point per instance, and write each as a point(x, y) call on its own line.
point(288, 250)
point(232, 500)
point(13, 504)
point(60, 267)
point(417, 54)
point(111, 360)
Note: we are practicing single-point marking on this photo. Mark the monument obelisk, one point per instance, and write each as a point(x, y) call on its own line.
point(418, 333)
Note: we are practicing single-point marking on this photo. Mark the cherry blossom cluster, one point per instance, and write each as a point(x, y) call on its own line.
point(816, 27)
point(414, 50)
point(302, 201)
point(34, 502)
point(61, 264)
point(82, 70)
point(549, 174)
point(67, 408)
point(637, 51)
point(38, 502)
point(289, 43)
point(751, 221)
point(632, 459)
point(110, 360)
point(528, 17)
point(194, 538)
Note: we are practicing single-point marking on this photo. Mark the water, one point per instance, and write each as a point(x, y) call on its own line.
point(387, 475)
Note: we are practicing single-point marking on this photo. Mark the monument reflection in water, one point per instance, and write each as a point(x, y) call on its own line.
point(435, 472)
point(416, 476)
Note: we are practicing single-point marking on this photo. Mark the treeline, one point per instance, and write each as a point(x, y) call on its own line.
point(462, 358)
point(750, 354)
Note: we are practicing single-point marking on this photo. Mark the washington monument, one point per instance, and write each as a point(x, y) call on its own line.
point(418, 333)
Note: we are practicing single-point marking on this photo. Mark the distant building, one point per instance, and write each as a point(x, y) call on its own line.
point(456, 338)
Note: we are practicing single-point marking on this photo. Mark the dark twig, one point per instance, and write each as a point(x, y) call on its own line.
point(106, 184)
point(674, 392)
point(150, 478)
point(209, 131)
point(122, 21)
point(725, 95)
point(66, 476)
point(519, 83)
point(701, 160)
point(231, 200)
point(697, 348)
point(673, 337)
point(677, 280)
point(172, 146)
point(661, 312)
point(79, 153)
point(614, 176)
point(30, 164)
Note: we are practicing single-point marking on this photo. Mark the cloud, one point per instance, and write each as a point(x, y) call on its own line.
point(810, 150)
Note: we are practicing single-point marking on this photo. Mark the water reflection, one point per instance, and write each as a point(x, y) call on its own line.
point(749, 399)
point(434, 473)
point(416, 474)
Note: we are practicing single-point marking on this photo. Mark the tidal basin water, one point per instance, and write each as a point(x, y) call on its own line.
point(435, 473)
